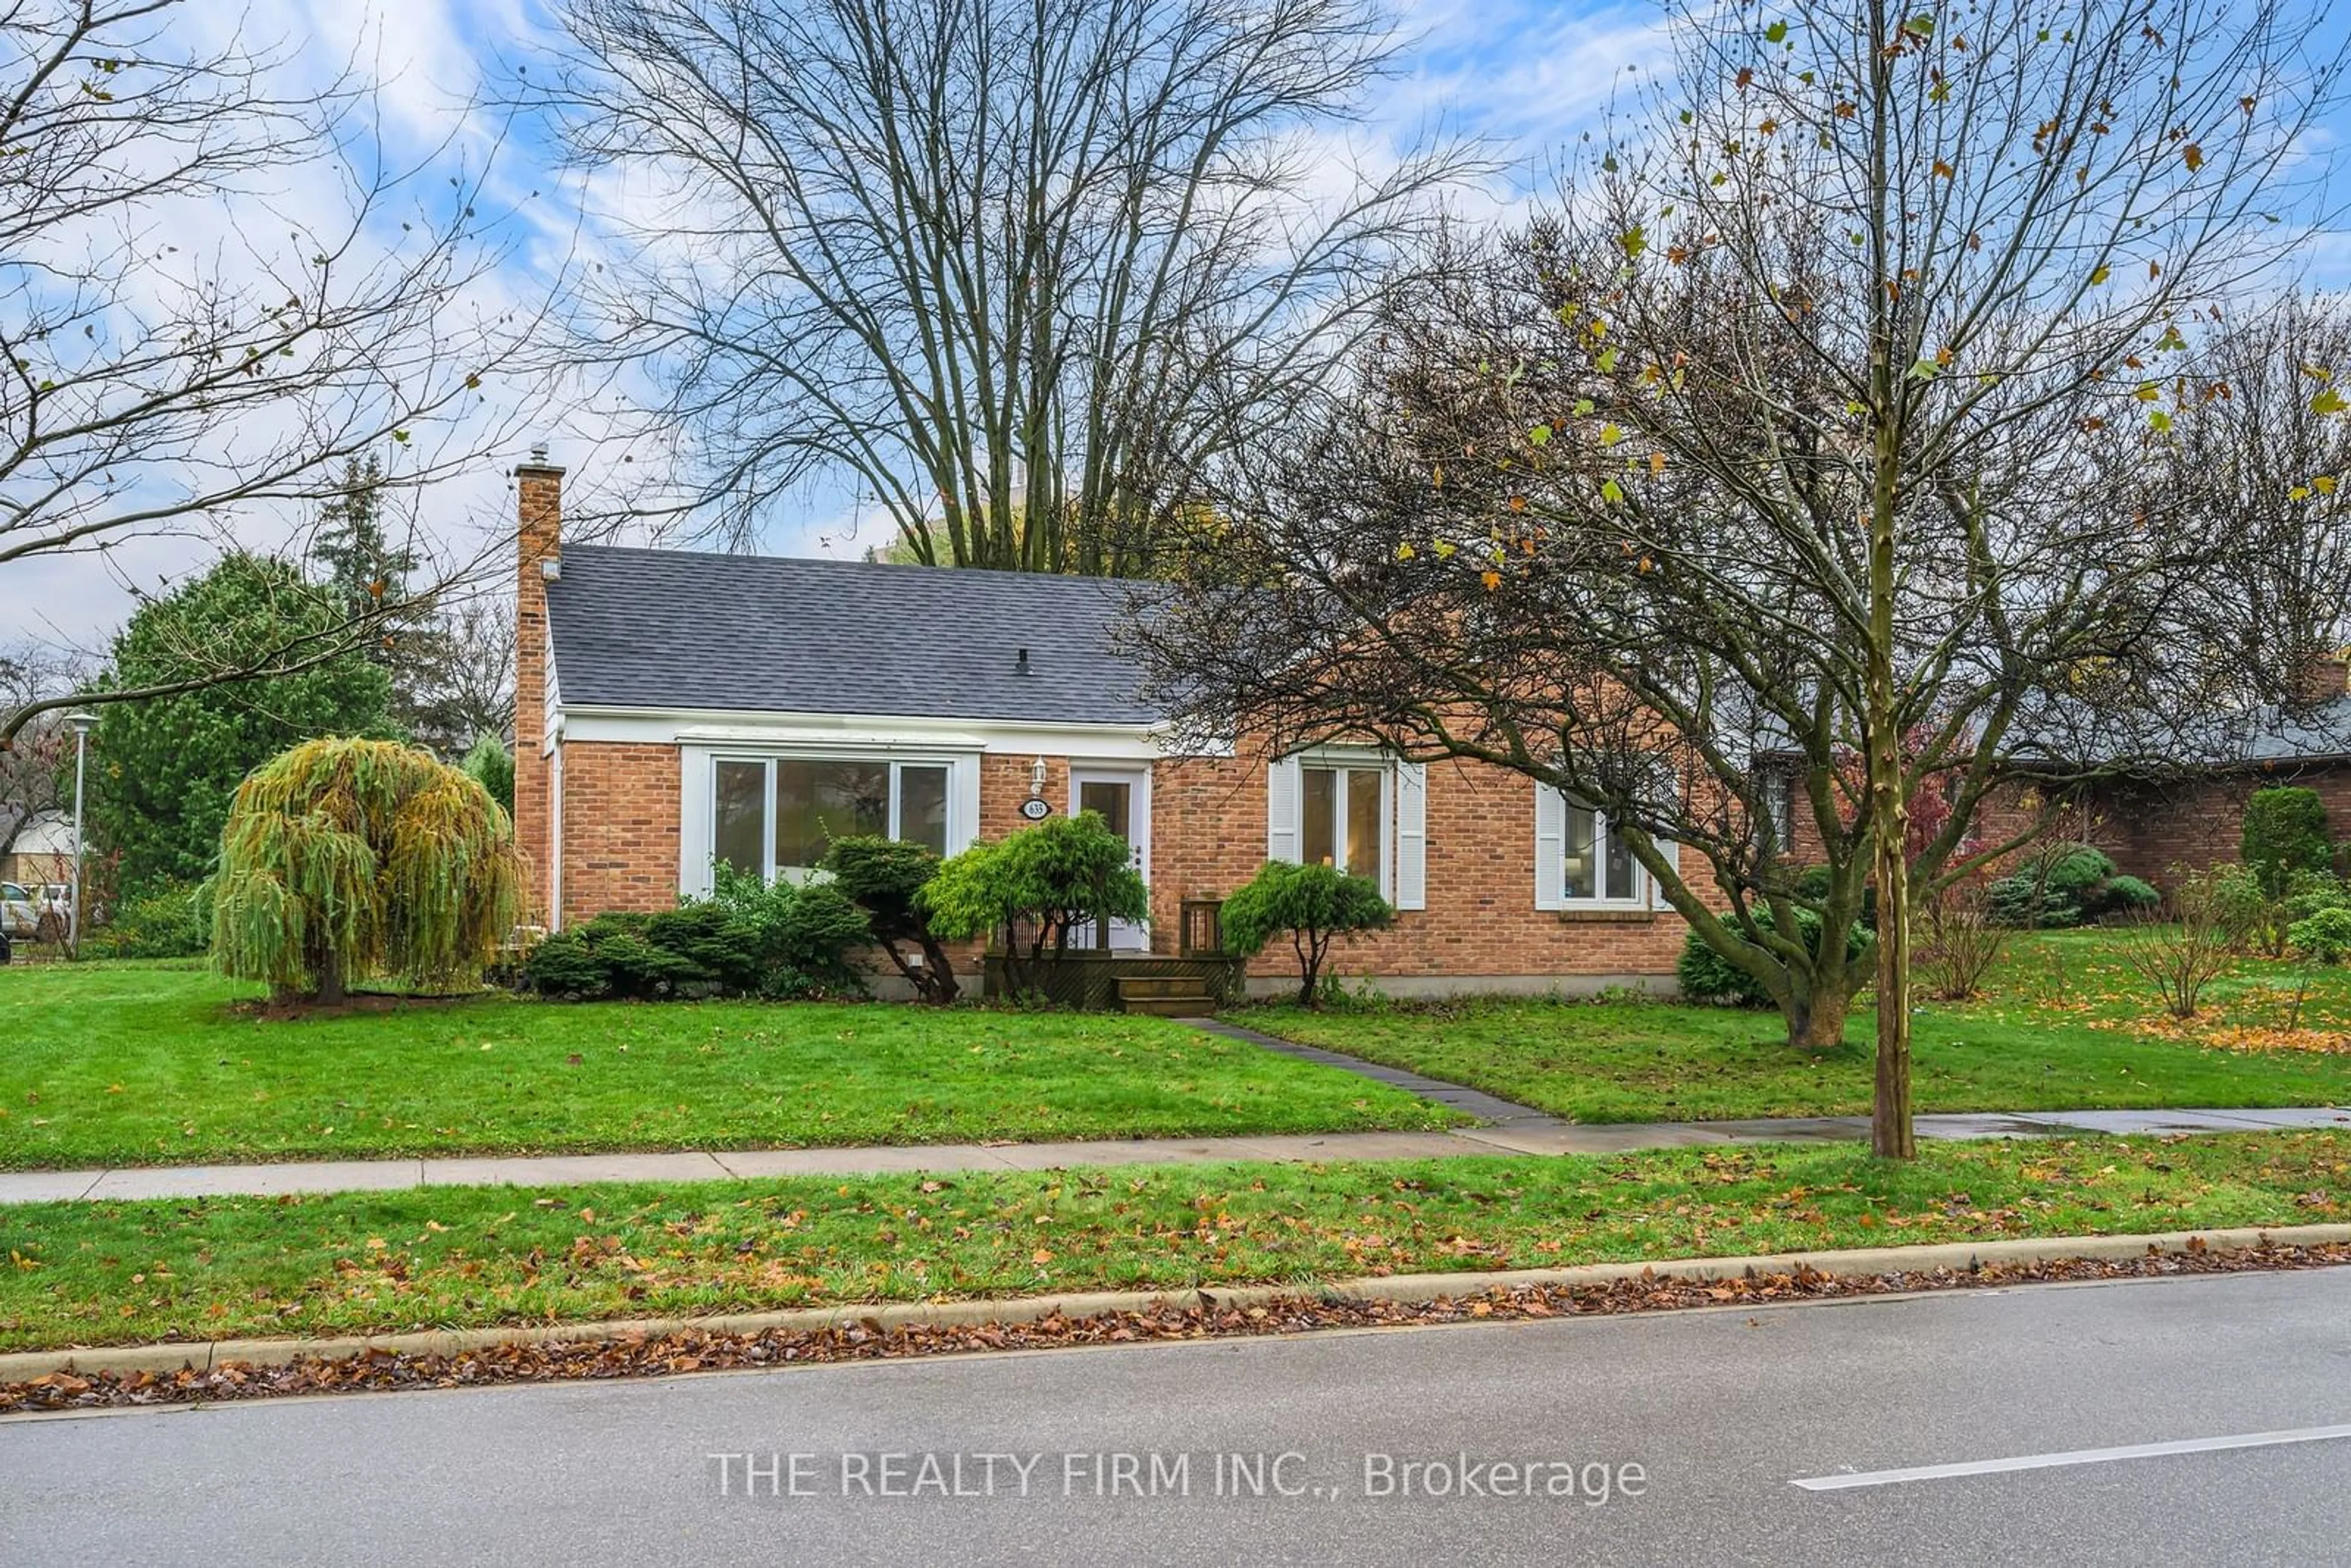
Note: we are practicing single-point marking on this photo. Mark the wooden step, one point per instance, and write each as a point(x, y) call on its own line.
point(1165, 996)
point(1199, 1007)
point(1141, 987)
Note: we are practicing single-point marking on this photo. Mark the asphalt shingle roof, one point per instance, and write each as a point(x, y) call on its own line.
point(657, 628)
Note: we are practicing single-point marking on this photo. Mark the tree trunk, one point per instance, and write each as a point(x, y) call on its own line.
point(1891, 1136)
point(942, 987)
point(331, 980)
point(1817, 1023)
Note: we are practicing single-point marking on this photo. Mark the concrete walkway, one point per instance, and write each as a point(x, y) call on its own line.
point(1538, 1135)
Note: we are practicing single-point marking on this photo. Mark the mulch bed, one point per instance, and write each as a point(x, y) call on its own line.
point(1202, 1317)
point(356, 1002)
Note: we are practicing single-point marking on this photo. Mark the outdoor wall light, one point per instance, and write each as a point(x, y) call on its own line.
point(1037, 780)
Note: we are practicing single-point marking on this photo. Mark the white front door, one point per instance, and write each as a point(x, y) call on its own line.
point(1122, 796)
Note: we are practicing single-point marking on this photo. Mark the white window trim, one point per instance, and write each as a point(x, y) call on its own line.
point(1339, 763)
point(1403, 815)
point(1551, 855)
point(697, 814)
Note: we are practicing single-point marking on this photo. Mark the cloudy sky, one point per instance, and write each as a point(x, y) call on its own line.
point(1530, 74)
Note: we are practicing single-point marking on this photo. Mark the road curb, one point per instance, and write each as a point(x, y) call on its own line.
point(1959, 1257)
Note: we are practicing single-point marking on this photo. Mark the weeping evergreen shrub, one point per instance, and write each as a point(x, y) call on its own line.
point(343, 860)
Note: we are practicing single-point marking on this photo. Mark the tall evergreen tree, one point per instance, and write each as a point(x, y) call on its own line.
point(165, 768)
point(364, 568)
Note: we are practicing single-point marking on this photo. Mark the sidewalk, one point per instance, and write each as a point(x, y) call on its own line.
point(1527, 1133)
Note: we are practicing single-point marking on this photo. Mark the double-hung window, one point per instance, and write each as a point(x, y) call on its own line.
point(1344, 822)
point(1354, 809)
point(1580, 862)
point(777, 816)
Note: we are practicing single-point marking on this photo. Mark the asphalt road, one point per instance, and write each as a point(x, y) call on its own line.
point(1722, 1413)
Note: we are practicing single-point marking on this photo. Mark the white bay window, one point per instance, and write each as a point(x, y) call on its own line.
point(774, 816)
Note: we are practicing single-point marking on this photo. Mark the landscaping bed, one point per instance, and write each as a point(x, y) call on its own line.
point(124, 1064)
point(117, 1273)
point(2062, 1025)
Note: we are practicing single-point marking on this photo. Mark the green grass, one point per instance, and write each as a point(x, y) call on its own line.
point(2063, 1026)
point(117, 1065)
point(127, 1272)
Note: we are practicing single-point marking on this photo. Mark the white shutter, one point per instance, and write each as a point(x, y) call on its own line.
point(1281, 810)
point(1551, 846)
point(1669, 790)
point(1411, 835)
point(1673, 853)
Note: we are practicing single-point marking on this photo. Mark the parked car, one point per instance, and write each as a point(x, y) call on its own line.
point(34, 915)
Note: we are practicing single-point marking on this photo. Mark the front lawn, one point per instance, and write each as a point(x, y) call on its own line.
point(115, 1064)
point(89, 1273)
point(2063, 1026)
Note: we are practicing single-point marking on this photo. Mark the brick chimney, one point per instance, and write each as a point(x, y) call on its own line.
point(2322, 678)
point(539, 538)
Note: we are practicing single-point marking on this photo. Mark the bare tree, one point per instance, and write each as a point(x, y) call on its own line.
point(2267, 470)
point(36, 772)
point(470, 685)
point(1816, 445)
point(1015, 270)
point(153, 382)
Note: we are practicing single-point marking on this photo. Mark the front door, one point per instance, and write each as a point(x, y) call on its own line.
point(1122, 796)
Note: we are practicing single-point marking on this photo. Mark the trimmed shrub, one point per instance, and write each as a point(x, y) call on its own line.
point(169, 920)
point(1706, 976)
point(2323, 937)
point(803, 933)
point(2129, 894)
point(1051, 878)
point(2067, 884)
point(1313, 905)
point(2285, 832)
point(747, 939)
point(885, 878)
point(564, 964)
point(722, 949)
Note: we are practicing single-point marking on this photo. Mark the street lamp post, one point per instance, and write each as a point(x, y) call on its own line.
point(82, 723)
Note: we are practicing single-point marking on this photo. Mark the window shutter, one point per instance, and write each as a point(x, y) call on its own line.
point(1412, 835)
point(1669, 790)
point(1281, 808)
point(1550, 845)
point(1673, 853)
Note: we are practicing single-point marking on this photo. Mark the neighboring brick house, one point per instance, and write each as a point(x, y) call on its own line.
point(2186, 814)
point(2196, 818)
point(676, 709)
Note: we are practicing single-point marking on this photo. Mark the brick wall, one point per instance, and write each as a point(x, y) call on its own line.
point(2006, 813)
point(2151, 828)
point(538, 505)
point(1210, 837)
point(620, 827)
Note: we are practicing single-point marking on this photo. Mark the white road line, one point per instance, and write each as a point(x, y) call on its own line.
point(2073, 1457)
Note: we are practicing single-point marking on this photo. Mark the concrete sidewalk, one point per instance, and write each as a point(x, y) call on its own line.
point(1528, 1134)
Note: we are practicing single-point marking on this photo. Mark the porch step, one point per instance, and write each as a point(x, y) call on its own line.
point(1165, 996)
point(1133, 986)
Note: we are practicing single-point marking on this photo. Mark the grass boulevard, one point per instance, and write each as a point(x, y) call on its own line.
point(83, 1273)
point(124, 1063)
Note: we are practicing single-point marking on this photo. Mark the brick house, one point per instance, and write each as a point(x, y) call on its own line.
point(2195, 817)
point(2186, 814)
point(673, 709)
